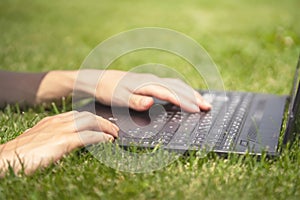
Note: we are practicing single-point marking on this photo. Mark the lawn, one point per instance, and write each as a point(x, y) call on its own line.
point(255, 45)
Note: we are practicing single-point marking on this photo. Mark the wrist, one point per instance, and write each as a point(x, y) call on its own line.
point(55, 85)
point(87, 82)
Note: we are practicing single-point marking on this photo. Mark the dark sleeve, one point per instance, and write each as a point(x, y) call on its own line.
point(16, 87)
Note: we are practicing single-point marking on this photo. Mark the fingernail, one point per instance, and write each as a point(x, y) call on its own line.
point(207, 104)
point(110, 139)
point(145, 102)
point(116, 128)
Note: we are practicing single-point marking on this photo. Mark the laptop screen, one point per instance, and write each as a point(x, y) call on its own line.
point(293, 122)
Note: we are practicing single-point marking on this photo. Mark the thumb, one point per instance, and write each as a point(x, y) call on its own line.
point(140, 102)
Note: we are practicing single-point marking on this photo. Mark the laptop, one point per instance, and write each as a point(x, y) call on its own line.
point(239, 122)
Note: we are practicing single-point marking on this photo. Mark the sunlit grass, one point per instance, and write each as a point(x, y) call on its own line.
point(255, 45)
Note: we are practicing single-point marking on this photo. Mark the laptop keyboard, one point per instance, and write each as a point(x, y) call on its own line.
point(175, 129)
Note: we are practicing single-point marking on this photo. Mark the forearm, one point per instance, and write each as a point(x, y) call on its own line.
point(55, 85)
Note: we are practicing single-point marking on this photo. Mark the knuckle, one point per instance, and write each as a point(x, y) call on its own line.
point(103, 121)
point(85, 113)
point(48, 119)
point(104, 124)
point(55, 119)
point(179, 81)
point(101, 118)
point(74, 112)
point(90, 118)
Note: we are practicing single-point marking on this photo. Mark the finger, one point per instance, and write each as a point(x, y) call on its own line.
point(203, 104)
point(179, 84)
point(140, 102)
point(94, 137)
point(182, 98)
point(85, 121)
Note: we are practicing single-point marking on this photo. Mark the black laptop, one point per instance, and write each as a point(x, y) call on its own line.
point(238, 122)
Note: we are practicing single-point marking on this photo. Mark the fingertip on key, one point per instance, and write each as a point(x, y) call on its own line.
point(206, 105)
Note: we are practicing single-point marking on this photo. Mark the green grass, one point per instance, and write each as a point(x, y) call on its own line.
point(255, 45)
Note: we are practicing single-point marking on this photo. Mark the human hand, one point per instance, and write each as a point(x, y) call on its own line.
point(135, 90)
point(52, 138)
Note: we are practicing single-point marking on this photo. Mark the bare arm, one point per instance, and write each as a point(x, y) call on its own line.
point(109, 87)
point(55, 136)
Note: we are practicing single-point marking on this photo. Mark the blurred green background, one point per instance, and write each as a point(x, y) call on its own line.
point(255, 45)
point(252, 43)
